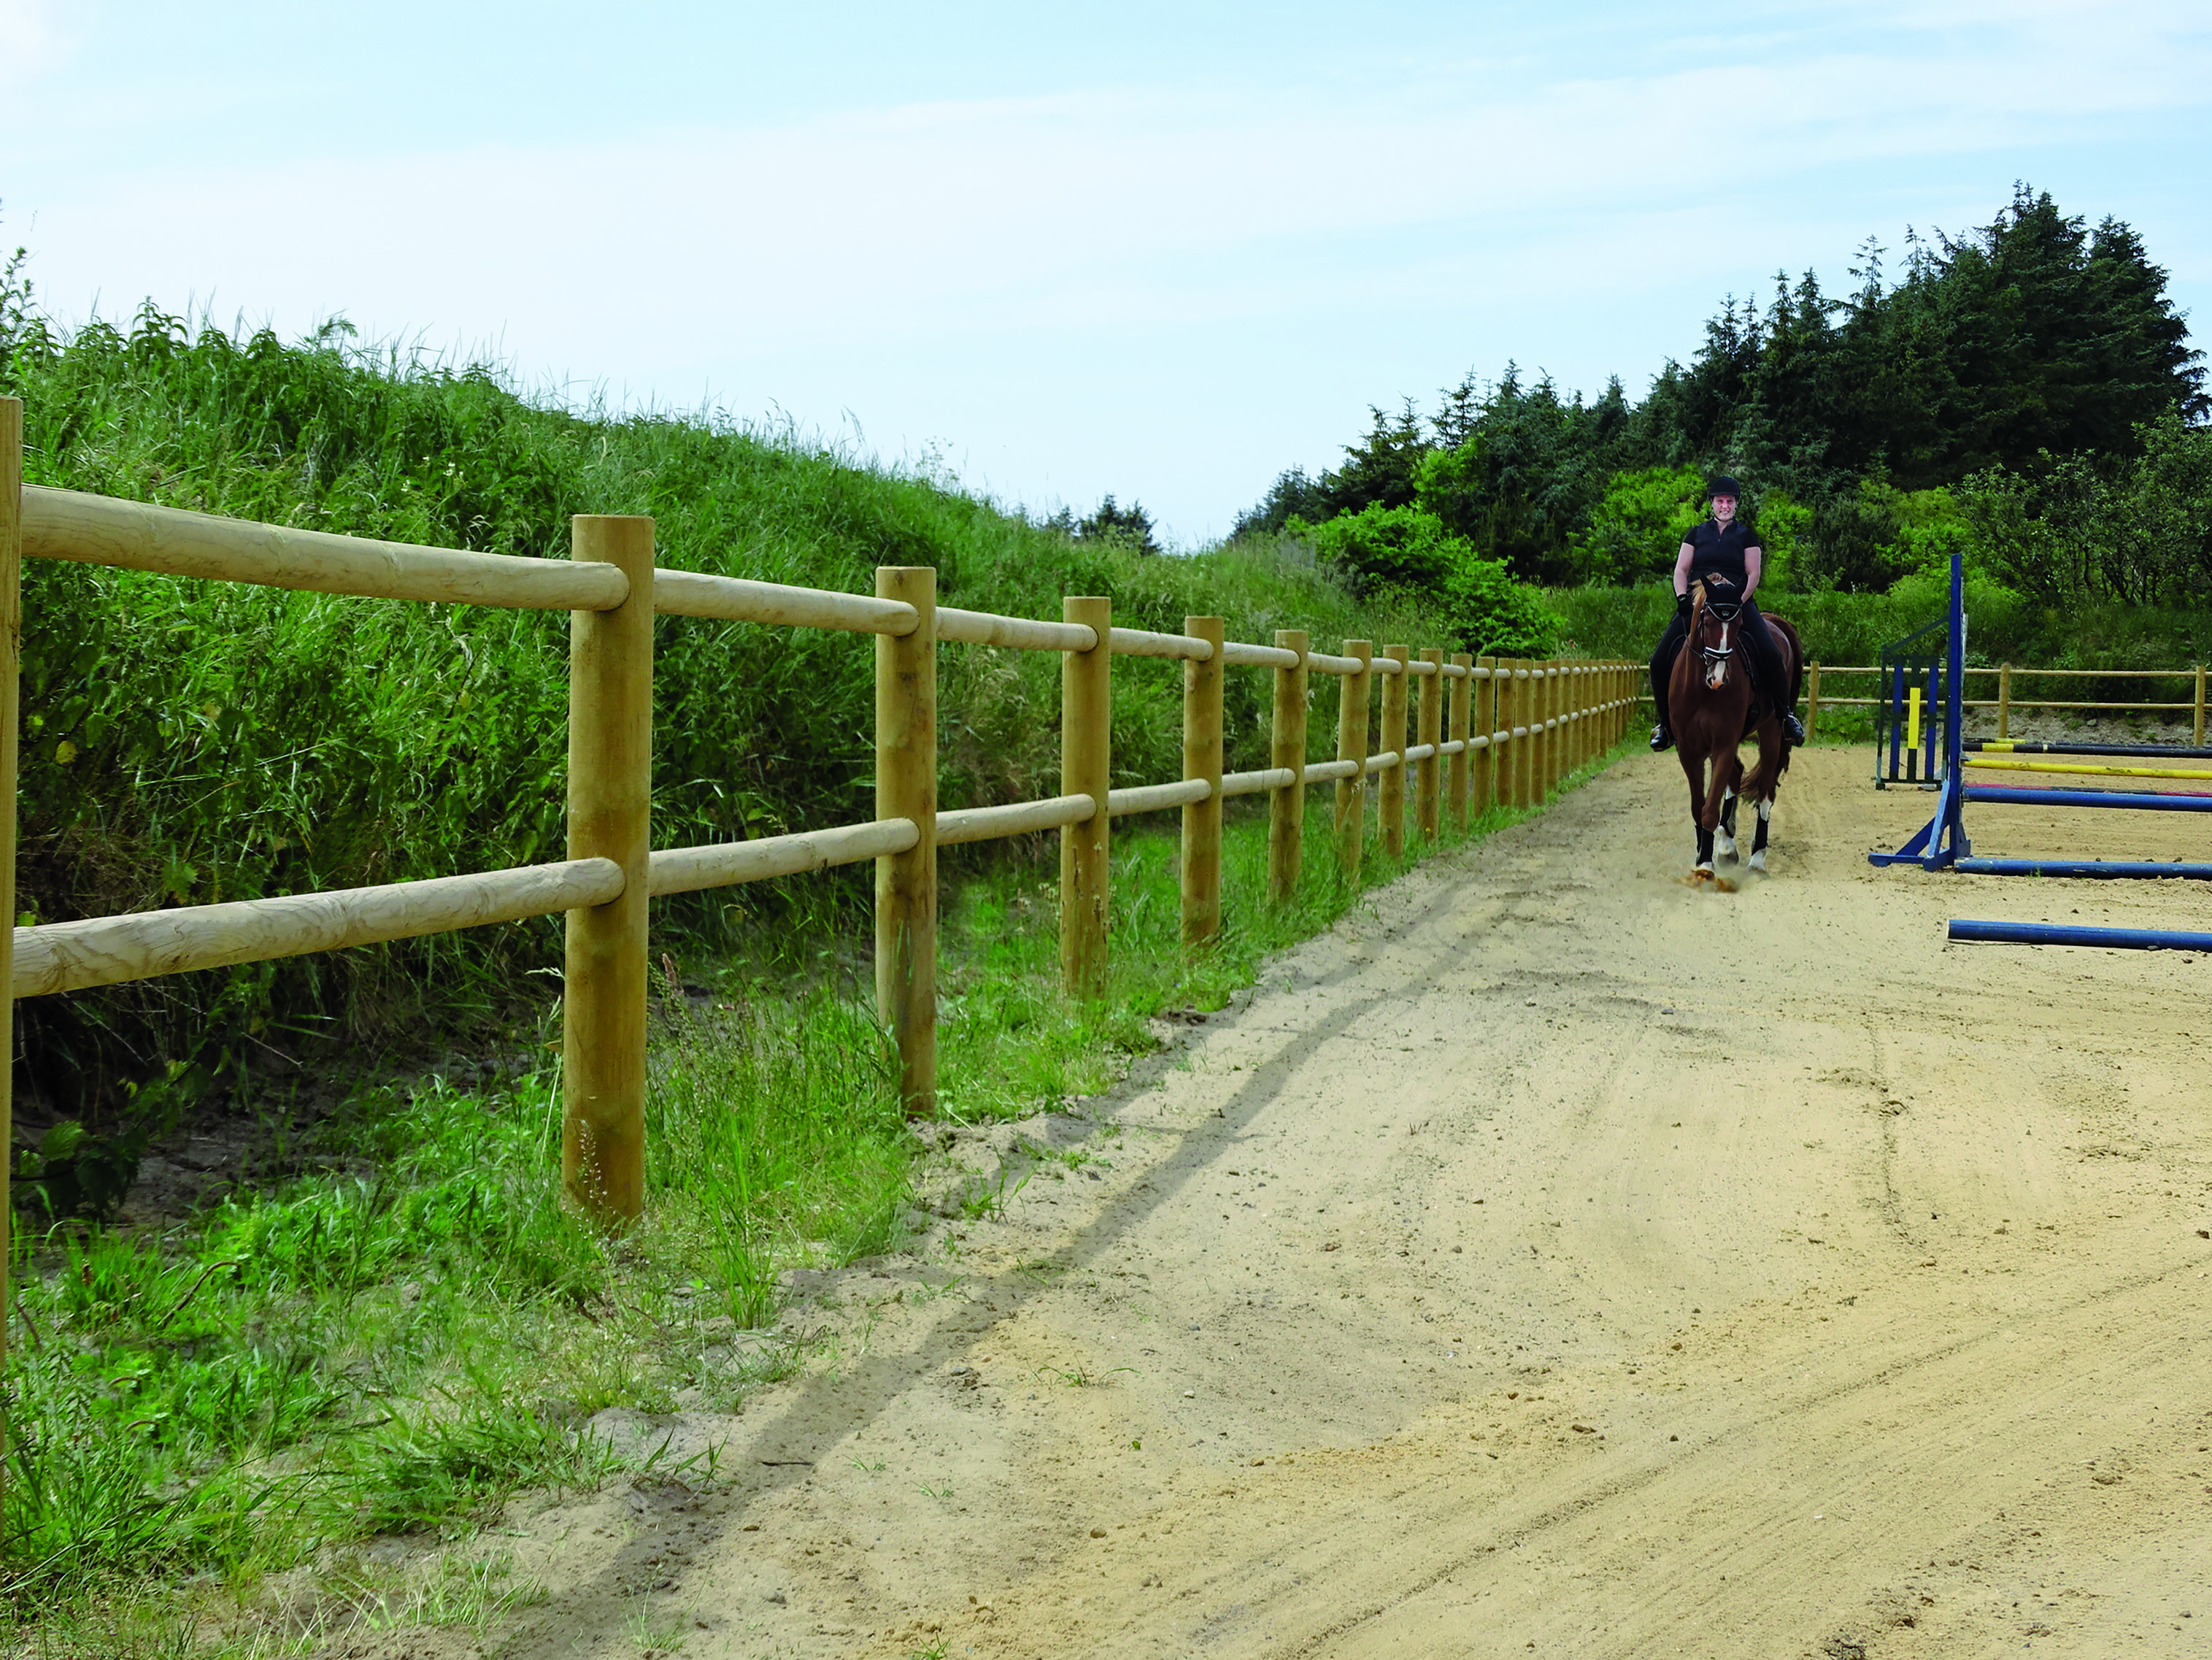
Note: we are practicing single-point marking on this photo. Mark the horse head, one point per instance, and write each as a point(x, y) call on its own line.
point(1713, 632)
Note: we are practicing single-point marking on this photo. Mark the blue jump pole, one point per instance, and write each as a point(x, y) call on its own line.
point(2145, 870)
point(2149, 802)
point(2055, 933)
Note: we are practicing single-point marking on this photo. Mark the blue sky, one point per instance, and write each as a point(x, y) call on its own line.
point(1160, 250)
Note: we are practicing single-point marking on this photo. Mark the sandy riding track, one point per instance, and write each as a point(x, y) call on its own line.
point(1553, 1259)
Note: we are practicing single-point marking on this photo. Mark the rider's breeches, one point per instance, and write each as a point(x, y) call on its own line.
point(1758, 646)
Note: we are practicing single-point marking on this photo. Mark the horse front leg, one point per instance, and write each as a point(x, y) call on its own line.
point(1693, 769)
point(1724, 842)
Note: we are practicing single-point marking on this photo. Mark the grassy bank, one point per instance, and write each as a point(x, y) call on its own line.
point(402, 1338)
point(186, 743)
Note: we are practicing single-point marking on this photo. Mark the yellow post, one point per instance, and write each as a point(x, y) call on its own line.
point(1201, 758)
point(11, 657)
point(1390, 795)
point(1912, 721)
point(1086, 716)
point(1286, 747)
point(1463, 730)
point(2004, 701)
point(1352, 746)
point(905, 882)
point(1811, 701)
point(609, 806)
point(2198, 740)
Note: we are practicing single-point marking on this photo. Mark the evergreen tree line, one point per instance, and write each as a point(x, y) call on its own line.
point(2027, 391)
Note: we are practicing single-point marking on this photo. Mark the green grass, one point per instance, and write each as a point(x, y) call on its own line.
point(406, 1340)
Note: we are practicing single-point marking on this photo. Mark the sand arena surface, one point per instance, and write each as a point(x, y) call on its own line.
point(1552, 1259)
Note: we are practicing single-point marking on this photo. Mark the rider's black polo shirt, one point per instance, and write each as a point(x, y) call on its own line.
point(1717, 552)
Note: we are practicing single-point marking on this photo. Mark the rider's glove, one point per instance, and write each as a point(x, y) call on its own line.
point(1682, 604)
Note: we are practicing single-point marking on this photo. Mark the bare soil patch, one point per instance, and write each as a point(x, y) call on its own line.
point(1552, 1258)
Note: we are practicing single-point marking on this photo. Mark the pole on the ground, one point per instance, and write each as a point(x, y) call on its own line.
point(1286, 748)
point(1462, 732)
point(905, 882)
point(1352, 746)
point(1427, 804)
point(603, 986)
point(1201, 758)
point(1390, 793)
point(11, 652)
point(1087, 733)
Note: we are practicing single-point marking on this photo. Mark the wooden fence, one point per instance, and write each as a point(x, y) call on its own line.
point(1516, 728)
point(2004, 702)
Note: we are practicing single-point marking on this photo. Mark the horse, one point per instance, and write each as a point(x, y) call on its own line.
point(1715, 706)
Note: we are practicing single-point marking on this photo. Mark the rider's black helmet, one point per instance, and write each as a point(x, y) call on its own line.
point(1724, 485)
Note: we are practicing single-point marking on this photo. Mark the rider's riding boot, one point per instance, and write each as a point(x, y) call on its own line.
point(1660, 738)
point(1793, 729)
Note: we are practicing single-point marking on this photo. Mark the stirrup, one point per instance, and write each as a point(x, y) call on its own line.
point(1662, 739)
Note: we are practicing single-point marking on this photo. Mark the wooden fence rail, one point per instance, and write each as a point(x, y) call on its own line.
point(2004, 702)
point(1484, 733)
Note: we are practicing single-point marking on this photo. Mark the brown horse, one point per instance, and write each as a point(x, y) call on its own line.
point(1714, 706)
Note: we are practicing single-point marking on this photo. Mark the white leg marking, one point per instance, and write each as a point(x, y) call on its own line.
point(1724, 844)
point(1765, 811)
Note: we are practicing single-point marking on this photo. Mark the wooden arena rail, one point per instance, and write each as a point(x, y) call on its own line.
point(1471, 733)
point(2004, 702)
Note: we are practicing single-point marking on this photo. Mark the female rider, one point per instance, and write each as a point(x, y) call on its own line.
point(1724, 551)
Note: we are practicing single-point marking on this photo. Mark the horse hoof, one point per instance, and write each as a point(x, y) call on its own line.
point(1759, 859)
point(1705, 869)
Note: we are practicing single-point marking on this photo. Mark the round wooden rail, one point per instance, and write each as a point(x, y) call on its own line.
point(735, 598)
point(982, 627)
point(1018, 818)
point(99, 529)
point(721, 865)
point(107, 951)
point(1152, 797)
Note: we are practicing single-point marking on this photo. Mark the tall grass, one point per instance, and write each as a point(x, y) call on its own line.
point(185, 743)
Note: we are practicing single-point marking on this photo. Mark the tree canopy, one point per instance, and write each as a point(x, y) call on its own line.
point(1996, 364)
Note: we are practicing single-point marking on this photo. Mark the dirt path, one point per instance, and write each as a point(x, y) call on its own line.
point(1553, 1260)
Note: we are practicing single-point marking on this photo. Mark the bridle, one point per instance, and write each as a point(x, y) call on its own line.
point(1725, 612)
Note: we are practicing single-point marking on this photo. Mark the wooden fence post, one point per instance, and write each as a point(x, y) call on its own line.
point(11, 657)
point(1554, 734)
point(1390, 791)
point(1811, 701)
point(905, 882)
point(1427, 805)
point(1286, 747)
point(1352, 746)
point(2198, 741)
point(1524, 731)
point(1462, 729)
point(1086, 768)
point(1201, 758)
point(1485, 765)
point(603, 987)
point(2004, 701)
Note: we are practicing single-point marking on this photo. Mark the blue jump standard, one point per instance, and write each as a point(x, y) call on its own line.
point(2050, 933)
point(2104, 867)
point(2146, 802)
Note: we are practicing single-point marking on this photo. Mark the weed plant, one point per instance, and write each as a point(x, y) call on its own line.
point(186, 742)
point(405, 1339)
